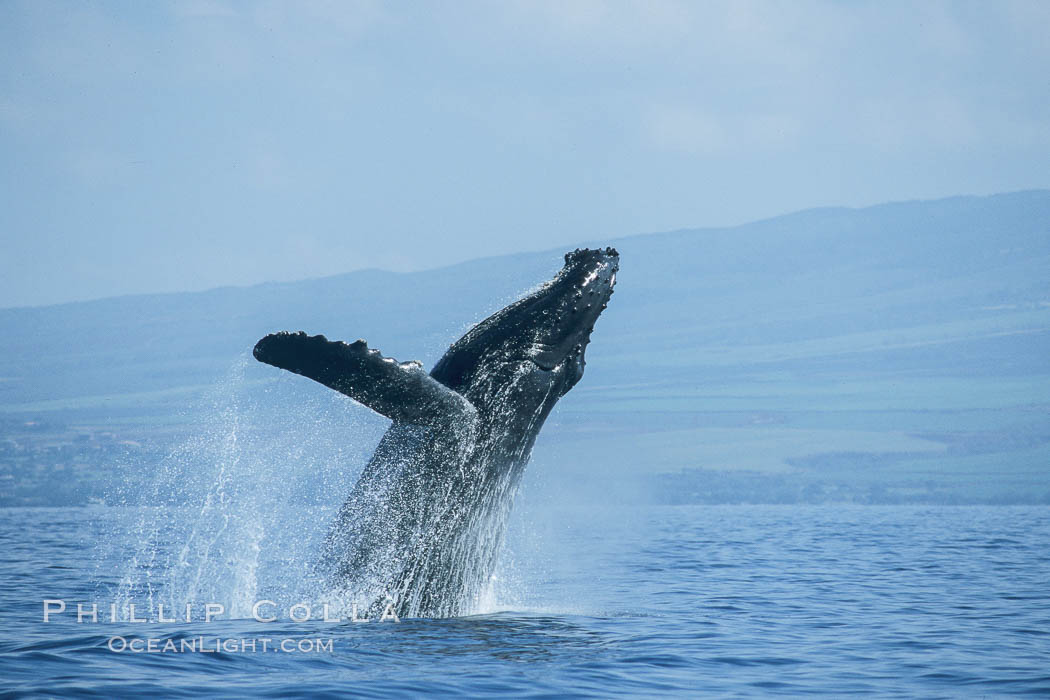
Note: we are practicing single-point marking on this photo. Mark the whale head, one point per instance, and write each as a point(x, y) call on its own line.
point(541, 339)
point(559, 317)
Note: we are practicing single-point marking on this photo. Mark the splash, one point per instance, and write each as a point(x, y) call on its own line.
point(217, 521)
point(227, 517)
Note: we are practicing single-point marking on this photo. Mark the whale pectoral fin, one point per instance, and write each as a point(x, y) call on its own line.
point(401, 391)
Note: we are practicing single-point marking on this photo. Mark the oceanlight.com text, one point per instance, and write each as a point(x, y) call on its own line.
point(229, 645)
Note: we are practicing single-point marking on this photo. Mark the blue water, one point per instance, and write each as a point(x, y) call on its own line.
point(722, 600)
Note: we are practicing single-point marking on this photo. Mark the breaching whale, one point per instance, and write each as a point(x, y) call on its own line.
point(423, 526)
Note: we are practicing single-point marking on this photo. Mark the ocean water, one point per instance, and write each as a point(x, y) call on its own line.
point(895, 601)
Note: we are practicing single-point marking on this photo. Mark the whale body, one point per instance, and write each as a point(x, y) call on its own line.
point(423, 526)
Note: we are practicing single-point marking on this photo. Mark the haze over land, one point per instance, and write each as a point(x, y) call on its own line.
point(888, 354)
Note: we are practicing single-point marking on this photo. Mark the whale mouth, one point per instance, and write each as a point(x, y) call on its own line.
point(545, 366)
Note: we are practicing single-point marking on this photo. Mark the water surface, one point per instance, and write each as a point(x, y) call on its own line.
point(726, 600)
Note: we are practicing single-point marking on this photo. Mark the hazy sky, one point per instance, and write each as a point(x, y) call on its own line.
point(147, 146)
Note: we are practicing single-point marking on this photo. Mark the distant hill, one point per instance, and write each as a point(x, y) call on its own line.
point(893, 353)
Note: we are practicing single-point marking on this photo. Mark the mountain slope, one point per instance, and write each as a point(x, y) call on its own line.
point(893, 352)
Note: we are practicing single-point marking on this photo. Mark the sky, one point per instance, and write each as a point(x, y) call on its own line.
point(158, 147)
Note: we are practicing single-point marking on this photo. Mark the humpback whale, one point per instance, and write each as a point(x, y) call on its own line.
point(424, 523)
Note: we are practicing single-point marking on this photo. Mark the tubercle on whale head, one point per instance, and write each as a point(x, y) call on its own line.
point(584, 253)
